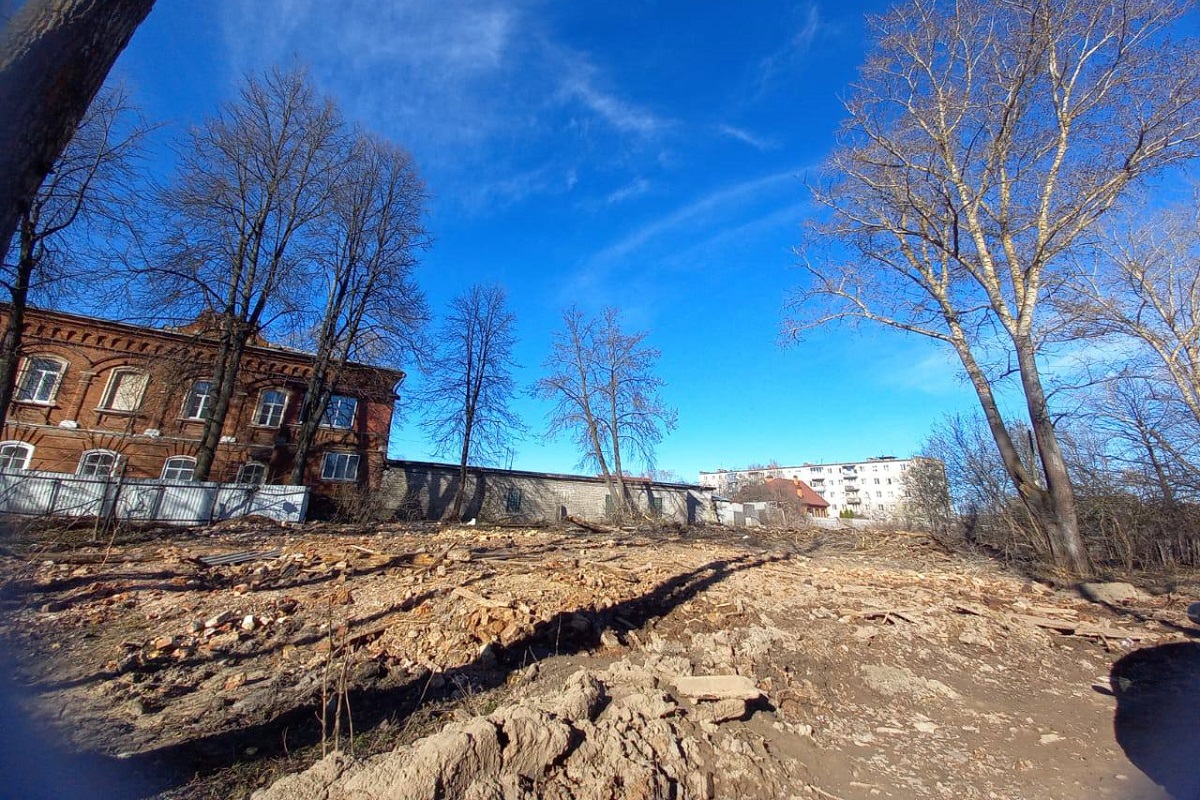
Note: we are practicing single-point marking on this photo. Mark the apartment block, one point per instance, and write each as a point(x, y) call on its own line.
point(873, 488)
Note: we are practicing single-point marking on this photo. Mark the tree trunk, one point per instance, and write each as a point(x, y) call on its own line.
point(460, 492)
point(1058, 502)
point(1052, 507)
point(10, 348)
point(54, 56)
point(229, 359)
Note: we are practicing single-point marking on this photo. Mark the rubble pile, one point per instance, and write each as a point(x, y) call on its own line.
point(579, 663)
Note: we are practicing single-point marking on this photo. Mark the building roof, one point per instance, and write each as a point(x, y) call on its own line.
point(191, 333)
point(802, 489)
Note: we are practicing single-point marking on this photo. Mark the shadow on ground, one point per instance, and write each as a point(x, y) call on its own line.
point(1157, 722)
point(52, 772)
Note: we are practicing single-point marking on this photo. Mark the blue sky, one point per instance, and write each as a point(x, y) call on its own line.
point(648, 155)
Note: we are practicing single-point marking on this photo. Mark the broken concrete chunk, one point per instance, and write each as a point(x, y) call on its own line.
point(1112, 594)
point(723, 711)
point(717, 687)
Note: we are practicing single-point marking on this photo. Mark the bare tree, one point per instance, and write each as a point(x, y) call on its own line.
point(1147, 291)
point(54, 56)
point(90, 188)
point(606, 396)
point(253, 182)
point(984, 141)
point(470, 384)
point(366, 249)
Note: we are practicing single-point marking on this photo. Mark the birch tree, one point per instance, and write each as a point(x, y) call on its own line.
point(253, 182)
point(470, 387)
point(984, 142)
point(606, 397)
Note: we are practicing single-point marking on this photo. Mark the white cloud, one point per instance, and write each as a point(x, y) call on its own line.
point(788, 56)
point(746, 137)
point(580, 81)
point(688, 215)
point(635, 188)
point(472, 87)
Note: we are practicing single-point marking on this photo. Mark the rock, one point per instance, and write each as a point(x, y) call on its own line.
point(1112, 594)
point(219, 619)
point(722, 710)
point(717, 687)
point(535, 740)
point(248, 623)
point(235, 681)
point(459, 554)
point(442, 765)
point(700, 785)
point(609, 639)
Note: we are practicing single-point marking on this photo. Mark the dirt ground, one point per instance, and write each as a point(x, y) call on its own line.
point(878, 665)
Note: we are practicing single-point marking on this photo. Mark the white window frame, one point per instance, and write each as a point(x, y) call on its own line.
point(278, 409)
point(338, 401)
point(173, 463)
point(110, 391)
point(12, 446)
point(87, 470)
point(342, 463)
point(241, 474)
point(204, 404)
point(43, 394)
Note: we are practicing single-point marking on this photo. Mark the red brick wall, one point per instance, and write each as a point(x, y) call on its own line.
point(94, 349)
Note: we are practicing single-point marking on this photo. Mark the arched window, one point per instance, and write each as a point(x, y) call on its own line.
point(179, 468)
point(198, 400)
point(15, 456)
point(40, 379)
point(125, 389)
point(252, 473)
point(271, 403)
point(97, 464)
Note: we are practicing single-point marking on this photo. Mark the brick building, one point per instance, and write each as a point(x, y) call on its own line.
point(95, 397)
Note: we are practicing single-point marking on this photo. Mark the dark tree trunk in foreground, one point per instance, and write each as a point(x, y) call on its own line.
point(54, 56)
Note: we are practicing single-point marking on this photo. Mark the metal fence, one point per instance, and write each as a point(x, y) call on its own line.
point(35, 493)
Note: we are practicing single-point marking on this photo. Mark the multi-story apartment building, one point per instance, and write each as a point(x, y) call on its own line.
point(873, 488)
point(95, 397)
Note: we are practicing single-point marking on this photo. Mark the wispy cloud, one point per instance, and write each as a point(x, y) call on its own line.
point(580, 83)
point(457, 81)
point(635, 188)
point(692, 213)
point(746, 137)
point(811, 26)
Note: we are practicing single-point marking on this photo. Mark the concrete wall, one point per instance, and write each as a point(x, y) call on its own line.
point(423, 490)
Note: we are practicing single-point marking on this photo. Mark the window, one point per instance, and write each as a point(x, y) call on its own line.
point(340, 467)
point(179, 468)
point(270, 408)
point(340, 412)
point(512, 500)
point(252, 473)
point(656, 506)
point(124, 392)
point(97, 464)
point(15, 455)
point(199, 400)
point(40, 380)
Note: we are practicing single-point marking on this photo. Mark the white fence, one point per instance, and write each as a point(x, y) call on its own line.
point(34, 493)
